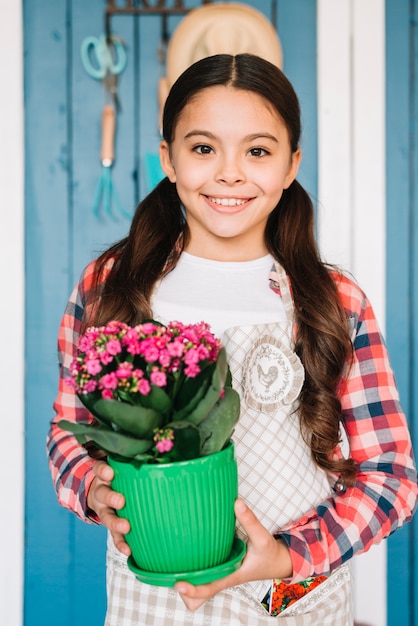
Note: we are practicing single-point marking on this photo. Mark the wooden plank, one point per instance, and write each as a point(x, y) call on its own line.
point(47, 548)
point(90, 233)
point(296, 25)
point(93, 232)
point(402, 548)
point(413, 291)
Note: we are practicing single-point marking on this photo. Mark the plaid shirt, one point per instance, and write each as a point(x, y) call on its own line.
point(349, 522)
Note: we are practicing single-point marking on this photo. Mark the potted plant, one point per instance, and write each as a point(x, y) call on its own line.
point(164, 412)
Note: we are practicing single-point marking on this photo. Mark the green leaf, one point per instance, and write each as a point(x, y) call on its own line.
point(218, 426)
point(137, 420)
point(108, 440)
point(89, 400)
point(186, 441)
point(192, 386)
point(190, 406)
point(126, 396)
point(157, 399)
point(201, 411)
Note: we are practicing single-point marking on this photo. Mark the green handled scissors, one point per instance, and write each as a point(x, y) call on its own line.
point(102, 56)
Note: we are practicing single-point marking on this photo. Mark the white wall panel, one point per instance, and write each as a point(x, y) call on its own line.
point(368, 166)
point(11, 315)
point(334, 131)
point(351, 189)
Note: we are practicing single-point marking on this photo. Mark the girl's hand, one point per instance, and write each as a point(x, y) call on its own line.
point(266, 558)
point(104, 502)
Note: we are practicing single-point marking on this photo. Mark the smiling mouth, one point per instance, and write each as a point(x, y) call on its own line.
point(228, 201)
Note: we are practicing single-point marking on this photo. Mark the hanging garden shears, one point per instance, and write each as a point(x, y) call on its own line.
point(103, 55)
point(104, 58)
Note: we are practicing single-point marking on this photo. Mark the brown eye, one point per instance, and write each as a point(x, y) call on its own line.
point(203, 149)
point(258, 152)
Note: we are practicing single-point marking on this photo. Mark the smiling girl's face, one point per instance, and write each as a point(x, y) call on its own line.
point(230, 160)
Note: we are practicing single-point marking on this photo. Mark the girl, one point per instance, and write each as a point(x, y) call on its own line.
point(228, 237)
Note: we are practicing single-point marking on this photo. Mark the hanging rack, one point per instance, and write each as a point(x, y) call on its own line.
point(144, 7)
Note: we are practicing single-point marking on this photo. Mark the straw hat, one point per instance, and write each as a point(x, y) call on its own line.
point(225, 28)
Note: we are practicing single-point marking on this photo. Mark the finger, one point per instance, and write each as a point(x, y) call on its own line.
point(105, 495)
point(202, 593)
point(104, 501)
point(118, 527)
point(120, 544)
point(257, 533)
point(190, 603)
point(114, 523)
point(103, 471)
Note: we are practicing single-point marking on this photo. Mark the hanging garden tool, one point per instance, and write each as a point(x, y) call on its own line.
point(106, 195)
point(104, 58)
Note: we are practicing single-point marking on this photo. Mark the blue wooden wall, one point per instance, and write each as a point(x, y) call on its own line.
point(64, 558)
point(402, 271)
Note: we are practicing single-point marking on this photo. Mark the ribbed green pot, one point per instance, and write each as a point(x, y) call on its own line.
point(181, 514)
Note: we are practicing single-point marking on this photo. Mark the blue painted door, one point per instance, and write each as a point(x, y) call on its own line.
point(402, 275)
point(65, 558)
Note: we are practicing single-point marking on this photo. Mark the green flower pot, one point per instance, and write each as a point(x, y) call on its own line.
point(181, 514)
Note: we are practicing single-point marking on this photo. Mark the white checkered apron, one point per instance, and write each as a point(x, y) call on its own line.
point(277, 479)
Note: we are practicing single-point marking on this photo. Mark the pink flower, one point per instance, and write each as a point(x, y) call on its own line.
point(109, 381)
point(90, 386)
point(165, 445)
point(93, 366)
point(114, 327)
point(164, 358)
point(149, 328)
point(144, 387)
point(175, 348)
point(164, 440)
point(85, 343)
point(124, 370)
point(191, 356)
point(113, 347)
point(192, 370)
point(203, 352)
point(133, 346)
point(105, 357)
point(131, 335)
point(158, 378)
point(107, 394)
point(175, 365)
point(151, 354)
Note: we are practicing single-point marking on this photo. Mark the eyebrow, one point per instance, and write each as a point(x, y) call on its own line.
point(252, 137)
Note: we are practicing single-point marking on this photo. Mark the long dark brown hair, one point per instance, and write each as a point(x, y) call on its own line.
point(159, 232)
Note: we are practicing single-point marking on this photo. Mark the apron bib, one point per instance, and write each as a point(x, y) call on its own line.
point(277, 479)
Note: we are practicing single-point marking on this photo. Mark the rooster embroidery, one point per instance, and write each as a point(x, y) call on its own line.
point(267, 378)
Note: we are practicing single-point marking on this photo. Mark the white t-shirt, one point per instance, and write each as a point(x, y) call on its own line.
point(223, 294)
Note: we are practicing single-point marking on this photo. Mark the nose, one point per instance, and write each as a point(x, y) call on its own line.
point(230, 171)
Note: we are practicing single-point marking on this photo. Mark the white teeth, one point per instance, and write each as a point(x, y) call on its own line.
point(227, 201)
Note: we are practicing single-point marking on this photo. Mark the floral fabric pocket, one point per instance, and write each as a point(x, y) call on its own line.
point(281, 596)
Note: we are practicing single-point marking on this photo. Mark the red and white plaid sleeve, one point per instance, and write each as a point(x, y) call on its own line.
point(70, 465)
point(384, 496)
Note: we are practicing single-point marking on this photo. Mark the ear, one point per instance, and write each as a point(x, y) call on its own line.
point(293, 168)
point(166, 163)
